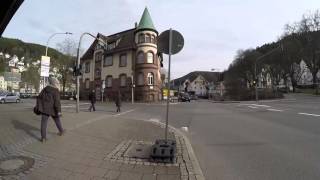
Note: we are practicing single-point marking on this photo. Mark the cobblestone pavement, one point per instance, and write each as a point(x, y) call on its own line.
point(84, 151)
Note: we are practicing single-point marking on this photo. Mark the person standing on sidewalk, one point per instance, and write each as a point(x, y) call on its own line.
point(48, 104)
point(118, 101)
point(92, 98)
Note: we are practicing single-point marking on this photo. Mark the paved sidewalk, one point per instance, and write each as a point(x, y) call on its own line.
point(95, 147)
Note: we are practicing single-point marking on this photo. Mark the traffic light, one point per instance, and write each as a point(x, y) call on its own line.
point(77, 71)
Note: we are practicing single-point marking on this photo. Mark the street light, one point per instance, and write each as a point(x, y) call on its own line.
point(255, 68)
point(47, 46)
point(66, 33)
point(78, 63)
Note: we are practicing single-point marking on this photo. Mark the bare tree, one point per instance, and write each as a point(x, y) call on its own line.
point(69, 48)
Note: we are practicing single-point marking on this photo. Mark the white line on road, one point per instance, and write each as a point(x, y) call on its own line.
point(119, 114)
point(258, 105)
point(253, 107)
point(308, 114)
point(276, 110)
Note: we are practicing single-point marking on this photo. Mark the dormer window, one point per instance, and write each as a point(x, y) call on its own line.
point(111, 46)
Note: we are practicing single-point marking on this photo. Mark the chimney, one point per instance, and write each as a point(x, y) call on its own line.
point(135, 25)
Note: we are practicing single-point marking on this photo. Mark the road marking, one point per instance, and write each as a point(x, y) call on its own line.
point(308, 114)
point(258, 105)
point(154, 120)
point(276, 110)
point(253, 107)
point(119, 114)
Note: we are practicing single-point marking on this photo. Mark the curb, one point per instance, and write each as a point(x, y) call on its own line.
point(196, 171)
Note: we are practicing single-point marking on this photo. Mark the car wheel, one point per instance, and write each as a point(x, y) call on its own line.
point(2, 101)
point(18, 100)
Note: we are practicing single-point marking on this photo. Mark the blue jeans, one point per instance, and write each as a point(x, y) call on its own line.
point(44, 123)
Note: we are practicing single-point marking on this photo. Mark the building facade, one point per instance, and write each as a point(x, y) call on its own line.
point(198, 83)
point(3, 83)
point(129, 64)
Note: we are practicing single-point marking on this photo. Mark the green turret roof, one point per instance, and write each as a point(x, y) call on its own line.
point(146, 21)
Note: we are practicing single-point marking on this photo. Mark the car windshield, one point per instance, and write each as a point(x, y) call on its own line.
point(149, 89)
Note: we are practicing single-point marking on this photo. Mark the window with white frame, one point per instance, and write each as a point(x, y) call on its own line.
point(150, 79)
point(87, 83)
point(150, 57)
point(140, 78)
point(140, 58)
point(98, 56)
point(123, 80)
point(109, 81)
point(123, 60)
point(108, 61)
point(153, 39)
point(141, 38)
point(148, 38)
point(87, 67)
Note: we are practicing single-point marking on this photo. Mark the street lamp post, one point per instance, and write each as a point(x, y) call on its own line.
point(78, 64)
point(47, 46)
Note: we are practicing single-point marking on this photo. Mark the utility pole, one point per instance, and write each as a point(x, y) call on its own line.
point(132, 90)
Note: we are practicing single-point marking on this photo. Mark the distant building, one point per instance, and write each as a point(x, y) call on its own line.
point(131, 58)
point(3, 83)
point(199, 83)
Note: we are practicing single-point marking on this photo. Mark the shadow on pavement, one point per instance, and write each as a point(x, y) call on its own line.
point(28, 129)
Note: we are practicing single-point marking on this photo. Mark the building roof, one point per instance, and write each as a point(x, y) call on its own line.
point(125, 41)
point(146, 21)
point(207, 75)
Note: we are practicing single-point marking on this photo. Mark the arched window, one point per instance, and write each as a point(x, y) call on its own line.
point(109, 81)
point(150, 57)
point(141, 38)
point(123, 80)
point(140, 58)
point(140, 78)
point(150, 79)
point(148, 38)
point(153, 39)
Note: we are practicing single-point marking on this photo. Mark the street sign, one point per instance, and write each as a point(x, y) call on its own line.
point(45, 66)
point(177, 42)
point(103, 84)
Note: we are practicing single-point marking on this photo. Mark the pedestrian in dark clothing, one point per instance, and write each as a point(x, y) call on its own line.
point(48, 104)
point(118, 101)
point(92, 98)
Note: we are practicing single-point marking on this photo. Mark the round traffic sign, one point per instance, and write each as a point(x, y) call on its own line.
point(176, 44)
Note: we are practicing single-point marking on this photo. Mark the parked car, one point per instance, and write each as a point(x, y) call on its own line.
point(9, 97)
point(184, 97)
point(68, 96)
point(25, 95)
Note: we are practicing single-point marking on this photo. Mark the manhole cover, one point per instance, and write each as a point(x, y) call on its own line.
point(15, 164)
point(140, 150)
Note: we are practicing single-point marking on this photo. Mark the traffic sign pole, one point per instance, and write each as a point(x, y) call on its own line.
point(168, 95)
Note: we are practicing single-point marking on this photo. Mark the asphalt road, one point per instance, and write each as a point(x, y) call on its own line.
point(269, 140)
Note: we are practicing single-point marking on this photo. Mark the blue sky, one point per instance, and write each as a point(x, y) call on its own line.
point(213, 29)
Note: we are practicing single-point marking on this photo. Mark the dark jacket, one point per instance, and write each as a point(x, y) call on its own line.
point(92, 97)
point(118, 101)
point(48, 101)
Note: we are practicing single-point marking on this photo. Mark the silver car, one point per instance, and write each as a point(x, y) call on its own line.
point(9, 97)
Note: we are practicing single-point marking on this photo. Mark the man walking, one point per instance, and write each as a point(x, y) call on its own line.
point(48, 104)
point(118, 101)
point(92, 98)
